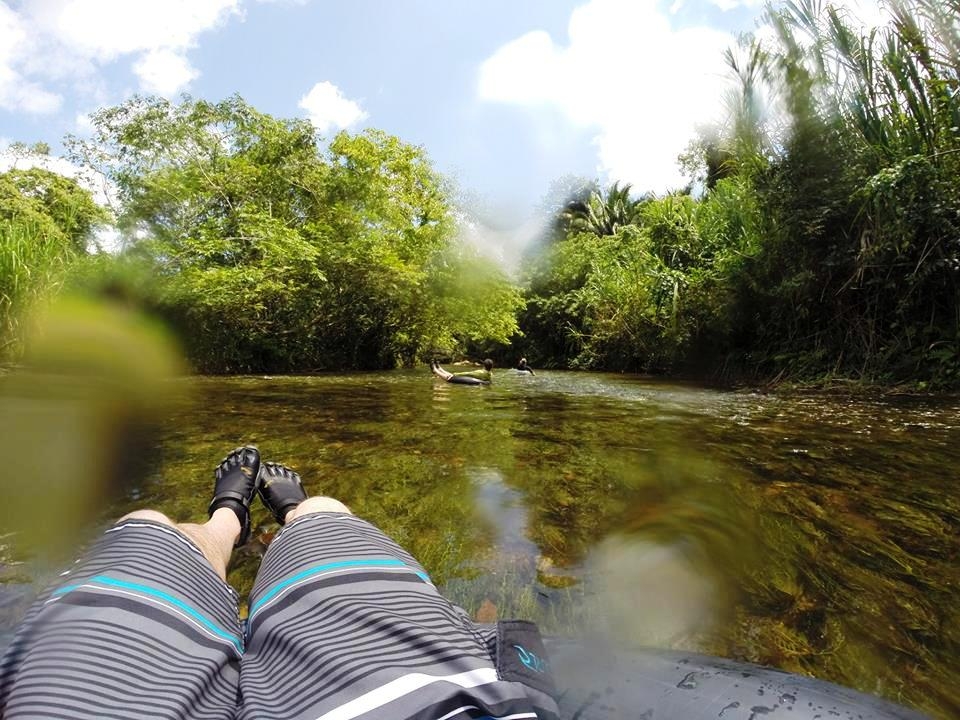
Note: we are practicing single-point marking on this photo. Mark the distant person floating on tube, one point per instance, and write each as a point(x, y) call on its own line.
point(473, 377)
point(523, 367)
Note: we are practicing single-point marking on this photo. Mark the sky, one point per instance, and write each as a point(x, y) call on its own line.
point(504, 95)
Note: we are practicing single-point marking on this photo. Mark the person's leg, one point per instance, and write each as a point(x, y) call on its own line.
point(214, 538)
point(143, 625)
point(345, 623)
point(315, 505)
point(440, 372)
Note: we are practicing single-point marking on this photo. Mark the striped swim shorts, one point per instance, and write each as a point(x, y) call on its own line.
point(343, 624)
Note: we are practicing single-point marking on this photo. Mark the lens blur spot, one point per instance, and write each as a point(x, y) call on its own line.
point(76, 418)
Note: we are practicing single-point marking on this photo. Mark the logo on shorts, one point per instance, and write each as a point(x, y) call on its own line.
point(531, 660)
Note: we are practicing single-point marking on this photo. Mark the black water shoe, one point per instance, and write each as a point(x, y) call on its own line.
point(280, 489)
point(236, 482)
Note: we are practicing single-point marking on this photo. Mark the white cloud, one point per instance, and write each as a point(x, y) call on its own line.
point(524, 70)
point(106, 29)
point(66, 41)
point(13, 34)
point(164, 72)
point(726, 5)
point(17, 92)
point(83, 124)
point(329, 110)
point(643, 85)
point(867, 13)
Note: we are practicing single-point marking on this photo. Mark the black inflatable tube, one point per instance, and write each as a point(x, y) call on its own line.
point(466, 380)
point(596, 683)
point(602, 684)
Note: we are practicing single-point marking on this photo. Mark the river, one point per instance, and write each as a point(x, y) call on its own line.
point(815, 533)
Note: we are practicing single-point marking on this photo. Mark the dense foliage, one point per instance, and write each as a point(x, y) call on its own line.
point(272, 252)
point(46, 221)
point(825, 239)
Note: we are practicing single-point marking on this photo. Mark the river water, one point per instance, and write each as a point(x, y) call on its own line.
point(814, 533)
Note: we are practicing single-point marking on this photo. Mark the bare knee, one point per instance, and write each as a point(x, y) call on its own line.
point(153, 515)
point(318, 504)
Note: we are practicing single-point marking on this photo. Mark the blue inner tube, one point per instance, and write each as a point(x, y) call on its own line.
point(466, 380)
point(598, 683)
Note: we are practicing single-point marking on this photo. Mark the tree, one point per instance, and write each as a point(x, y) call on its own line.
point(601, 213)
point(55, 205)
point(277, 253)
point(45, 223)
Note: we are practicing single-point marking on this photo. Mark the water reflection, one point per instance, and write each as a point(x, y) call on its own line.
point(504, 511)
point(815, 534)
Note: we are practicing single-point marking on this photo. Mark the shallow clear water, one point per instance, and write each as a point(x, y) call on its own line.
point(814, 533)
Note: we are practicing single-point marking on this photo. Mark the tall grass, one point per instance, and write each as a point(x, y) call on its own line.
point(895, 86)
point(33, 265)
point(854, 172)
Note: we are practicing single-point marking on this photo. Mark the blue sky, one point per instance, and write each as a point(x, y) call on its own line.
point(505, 95)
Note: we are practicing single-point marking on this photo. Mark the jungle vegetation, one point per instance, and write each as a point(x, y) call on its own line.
point(819, 235)
point(46, 220)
